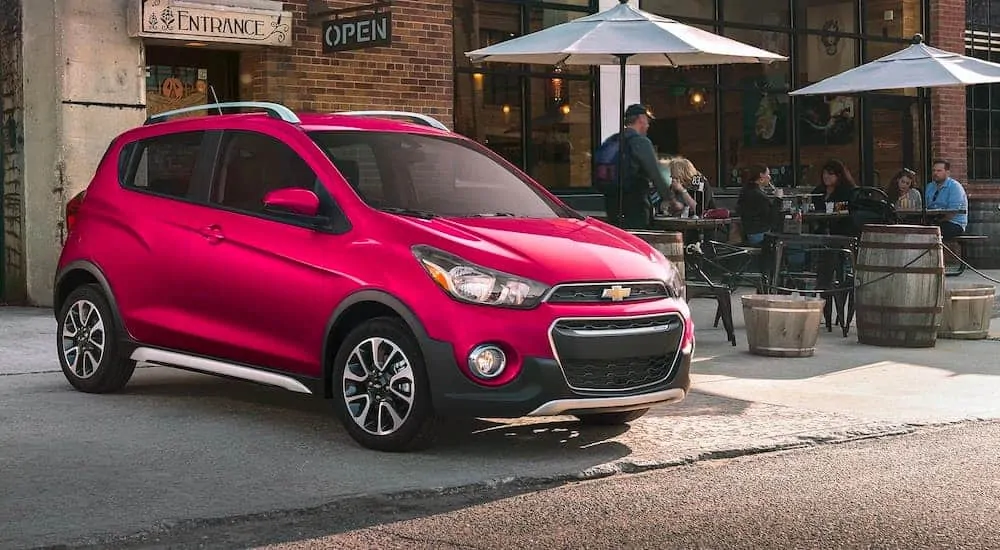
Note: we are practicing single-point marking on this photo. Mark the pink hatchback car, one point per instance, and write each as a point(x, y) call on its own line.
point(401, 270)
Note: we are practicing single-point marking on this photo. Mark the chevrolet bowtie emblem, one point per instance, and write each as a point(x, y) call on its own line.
point(617, 293)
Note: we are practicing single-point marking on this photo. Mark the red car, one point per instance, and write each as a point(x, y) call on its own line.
point(400, 270)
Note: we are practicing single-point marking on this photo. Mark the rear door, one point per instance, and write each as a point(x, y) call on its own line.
point(153, 266)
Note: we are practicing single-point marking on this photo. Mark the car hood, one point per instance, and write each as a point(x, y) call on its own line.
point(553, 250)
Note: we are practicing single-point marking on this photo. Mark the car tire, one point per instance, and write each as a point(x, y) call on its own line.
point(395, 382)
point(612, 418)
point(87, 336)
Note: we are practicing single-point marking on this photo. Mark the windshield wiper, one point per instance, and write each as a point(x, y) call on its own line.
point(410, 212)
point(495, 215)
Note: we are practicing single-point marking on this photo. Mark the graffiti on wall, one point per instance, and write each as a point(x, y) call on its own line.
point(14, 284)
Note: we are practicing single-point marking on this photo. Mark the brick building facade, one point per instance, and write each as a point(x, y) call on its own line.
point(101, 66)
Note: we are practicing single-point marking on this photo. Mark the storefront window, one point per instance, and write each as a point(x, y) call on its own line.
point(771, 13)
point(683, 102)
point(828, 129)
point(827, 15)
point(824, 55)
point(561, 145)
point(695, 9)
point(494, 122)
point(546, 132)
point(892, 18)
point(895, 137)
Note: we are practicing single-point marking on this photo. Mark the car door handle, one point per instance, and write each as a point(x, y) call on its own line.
point(213, 233)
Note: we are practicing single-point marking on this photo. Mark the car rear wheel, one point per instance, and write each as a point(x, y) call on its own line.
point(380, 387)
point(89, 353)
point(613, 418)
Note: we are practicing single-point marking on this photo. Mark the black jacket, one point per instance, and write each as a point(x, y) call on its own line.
point(643, 167)
point(758, 212)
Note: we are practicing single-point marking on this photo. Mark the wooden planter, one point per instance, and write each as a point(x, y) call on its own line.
point(968, 310)
point(899, 285)
point(669, 243)
point(782, 326)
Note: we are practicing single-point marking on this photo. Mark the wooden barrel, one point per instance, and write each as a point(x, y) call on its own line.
point(899, 285)
point(968, 310)
point(669, 243)
point(779, 325)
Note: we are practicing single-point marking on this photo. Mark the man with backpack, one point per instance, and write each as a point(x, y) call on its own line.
point(639, 169)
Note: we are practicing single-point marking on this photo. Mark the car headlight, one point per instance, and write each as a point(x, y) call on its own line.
point(675, 283)
point(476, 284)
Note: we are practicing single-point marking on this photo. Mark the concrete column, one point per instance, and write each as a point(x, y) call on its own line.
point(610, 90)
point(84, 84)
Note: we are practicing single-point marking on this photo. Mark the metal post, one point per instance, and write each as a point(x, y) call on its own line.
point(622, 59)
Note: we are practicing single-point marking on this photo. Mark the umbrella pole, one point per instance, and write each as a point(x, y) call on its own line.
point(925, 143)
point(621, 147)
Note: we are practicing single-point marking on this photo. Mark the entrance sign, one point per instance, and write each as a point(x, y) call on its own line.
point(203, 22)
point(354, 33)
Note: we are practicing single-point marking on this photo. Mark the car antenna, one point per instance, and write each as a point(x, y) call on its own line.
point(214, 96)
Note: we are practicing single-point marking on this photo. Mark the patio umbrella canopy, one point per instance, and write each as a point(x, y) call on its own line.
point(917, 66)
point(623, 36)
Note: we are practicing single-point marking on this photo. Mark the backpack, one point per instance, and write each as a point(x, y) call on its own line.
point(606, 165)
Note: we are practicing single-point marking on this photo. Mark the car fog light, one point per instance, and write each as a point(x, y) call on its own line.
point(487, 361)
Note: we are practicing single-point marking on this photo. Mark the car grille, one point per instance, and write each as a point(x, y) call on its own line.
point(607, 355)
point(620, 374)
point(593, 293)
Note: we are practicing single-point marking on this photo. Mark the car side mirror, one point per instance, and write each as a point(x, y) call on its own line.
point(302, 202)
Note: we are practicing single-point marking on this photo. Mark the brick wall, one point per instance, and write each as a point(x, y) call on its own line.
point(414, 74)
point(13, 285)
point(948, 131)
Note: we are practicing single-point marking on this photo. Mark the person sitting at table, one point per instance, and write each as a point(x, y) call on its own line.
point(682, 196)
point(902, 190)
point(943, 192)
point(758, 212)
point(684, 174)
point(836, 185)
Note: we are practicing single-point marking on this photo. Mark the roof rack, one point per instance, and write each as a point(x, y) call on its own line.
point(273, 109)
point(416, 117)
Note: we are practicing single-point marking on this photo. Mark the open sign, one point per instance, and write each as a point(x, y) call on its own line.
point(354, 33)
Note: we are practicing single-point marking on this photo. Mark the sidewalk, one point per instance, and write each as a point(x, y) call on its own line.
point(953, 381)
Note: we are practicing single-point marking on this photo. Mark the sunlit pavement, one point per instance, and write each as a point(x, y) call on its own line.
point(179, 446)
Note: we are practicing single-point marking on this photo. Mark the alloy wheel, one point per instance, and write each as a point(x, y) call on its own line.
point(378, 386)
point(83, 339)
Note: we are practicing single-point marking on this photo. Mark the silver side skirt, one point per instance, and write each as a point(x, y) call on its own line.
point(162, 358)
point(609, 404)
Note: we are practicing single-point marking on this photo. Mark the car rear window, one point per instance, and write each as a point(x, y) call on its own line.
point(164, 165)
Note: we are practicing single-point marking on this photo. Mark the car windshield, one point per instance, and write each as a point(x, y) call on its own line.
point(431, 176)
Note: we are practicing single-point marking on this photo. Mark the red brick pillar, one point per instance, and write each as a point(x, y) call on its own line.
point(948, 131)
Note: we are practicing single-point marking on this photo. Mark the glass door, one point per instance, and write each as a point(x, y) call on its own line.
point(181, 77)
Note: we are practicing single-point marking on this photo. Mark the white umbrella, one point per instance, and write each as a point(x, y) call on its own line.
point(623, 35)
point(917, 66)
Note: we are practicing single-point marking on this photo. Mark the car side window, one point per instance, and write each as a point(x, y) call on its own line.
point(164, 165)
point(251, 165)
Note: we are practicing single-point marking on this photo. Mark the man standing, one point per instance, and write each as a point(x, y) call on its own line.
point(946, 193)
point(640, 169)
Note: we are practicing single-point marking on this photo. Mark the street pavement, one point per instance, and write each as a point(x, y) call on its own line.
point(177, 449)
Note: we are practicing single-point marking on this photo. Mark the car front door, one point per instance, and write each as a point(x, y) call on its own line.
point(273, 279)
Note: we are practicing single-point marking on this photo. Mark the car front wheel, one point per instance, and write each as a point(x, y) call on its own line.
point(380, 387)
point(89, 353)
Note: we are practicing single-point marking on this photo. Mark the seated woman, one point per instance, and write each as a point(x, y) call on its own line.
point(758, 212)
point(683, 172)
point(836, 185)
point(902, 191)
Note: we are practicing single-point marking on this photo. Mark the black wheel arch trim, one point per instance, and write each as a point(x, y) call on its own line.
point(381, 297)
point(93, 270)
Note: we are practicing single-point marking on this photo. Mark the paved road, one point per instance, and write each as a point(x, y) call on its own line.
point(939, 488)
point(177, 446)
